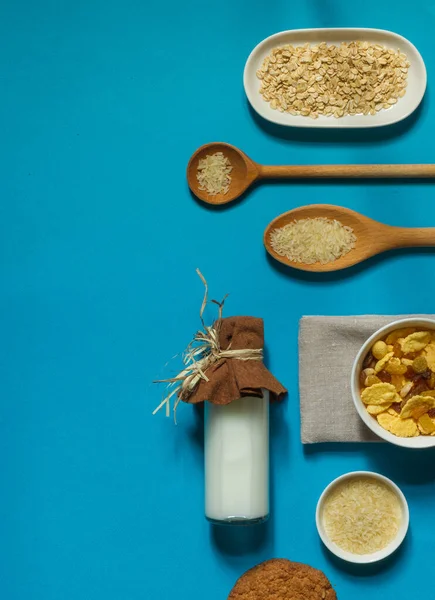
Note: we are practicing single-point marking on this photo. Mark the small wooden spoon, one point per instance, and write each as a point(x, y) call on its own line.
point(372, 237)
point(246, 171)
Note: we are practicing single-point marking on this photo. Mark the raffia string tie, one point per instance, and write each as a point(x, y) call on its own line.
point(202, 352)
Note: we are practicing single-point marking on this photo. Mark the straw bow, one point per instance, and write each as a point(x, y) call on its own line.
point(202, 352)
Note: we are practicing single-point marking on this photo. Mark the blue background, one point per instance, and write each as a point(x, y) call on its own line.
point(102, 104)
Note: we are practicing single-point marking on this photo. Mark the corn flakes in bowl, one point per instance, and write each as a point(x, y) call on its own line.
point(393, 383)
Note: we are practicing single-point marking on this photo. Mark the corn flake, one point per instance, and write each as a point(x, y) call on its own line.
point(397, 426)
point(405, 428)
point(380, 393)
point(426, 424)
point(381, 363)
point(415, 342)
point(429, 353)
point(376, 409)
point(386, 419)
point(417, 406)
point(399, 333)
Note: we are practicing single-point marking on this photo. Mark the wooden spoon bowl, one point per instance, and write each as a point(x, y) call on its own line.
point(243, 174)
point(372, 237)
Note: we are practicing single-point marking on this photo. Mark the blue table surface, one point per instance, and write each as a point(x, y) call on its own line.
point(102, 104)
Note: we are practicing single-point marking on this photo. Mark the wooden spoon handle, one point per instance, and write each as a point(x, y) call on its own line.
point(346, 171)
point(408, 237)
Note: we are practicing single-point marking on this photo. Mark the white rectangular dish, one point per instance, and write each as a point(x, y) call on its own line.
point(417, 77)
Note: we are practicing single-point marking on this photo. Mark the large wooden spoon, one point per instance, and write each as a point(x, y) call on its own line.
point(246, 171)
point(372, 237)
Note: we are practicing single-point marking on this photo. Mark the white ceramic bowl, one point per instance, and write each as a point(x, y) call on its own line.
point(422, 441)
point(374, 556)
point(297, 37)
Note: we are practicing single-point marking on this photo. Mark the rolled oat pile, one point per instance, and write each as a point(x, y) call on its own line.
point(353, 78)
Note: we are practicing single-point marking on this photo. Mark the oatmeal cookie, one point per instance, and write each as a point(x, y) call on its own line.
point(281, 579)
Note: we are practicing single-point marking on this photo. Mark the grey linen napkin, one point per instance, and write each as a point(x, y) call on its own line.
point(327, 348)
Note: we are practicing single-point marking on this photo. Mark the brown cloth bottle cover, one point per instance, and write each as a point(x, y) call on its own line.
point(232, 378)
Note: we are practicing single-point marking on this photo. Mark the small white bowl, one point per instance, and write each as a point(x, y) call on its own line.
point(417, 76)
point(374, 556)
point(422, 441)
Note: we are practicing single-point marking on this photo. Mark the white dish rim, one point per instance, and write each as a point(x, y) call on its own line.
point(375, 556)
point(372, 424)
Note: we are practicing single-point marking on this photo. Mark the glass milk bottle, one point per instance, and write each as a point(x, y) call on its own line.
point(237, 461)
